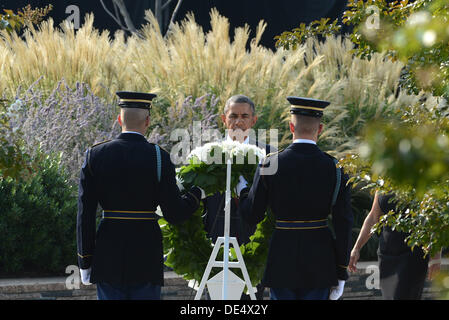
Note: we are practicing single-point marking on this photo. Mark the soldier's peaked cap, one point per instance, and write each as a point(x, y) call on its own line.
point(129, 99)
point(306, 106)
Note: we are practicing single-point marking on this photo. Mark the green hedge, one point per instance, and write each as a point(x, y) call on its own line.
point(37, 221)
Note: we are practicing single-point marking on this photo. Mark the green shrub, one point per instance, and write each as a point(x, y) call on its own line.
point(13, 160)
point(37, 221)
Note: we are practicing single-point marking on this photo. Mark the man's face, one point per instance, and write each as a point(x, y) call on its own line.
point(239, 118)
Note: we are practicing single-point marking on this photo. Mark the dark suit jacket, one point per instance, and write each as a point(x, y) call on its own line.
point(213, 216)
point(122, 175)
point(301, 190)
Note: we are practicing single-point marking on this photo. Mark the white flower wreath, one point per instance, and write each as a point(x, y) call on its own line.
point(186, 246)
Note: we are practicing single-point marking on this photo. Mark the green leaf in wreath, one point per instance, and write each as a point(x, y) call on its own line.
point(186, 244)
point(202, 180)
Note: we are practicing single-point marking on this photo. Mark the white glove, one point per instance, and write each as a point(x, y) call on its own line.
point(85, 276)
point(337, 291)
point(203, 194)
point(241, 185)
point(179, 184)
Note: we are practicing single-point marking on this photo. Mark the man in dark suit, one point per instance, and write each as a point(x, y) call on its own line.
point(129, 177)
point(239, 117)
point(304, 261)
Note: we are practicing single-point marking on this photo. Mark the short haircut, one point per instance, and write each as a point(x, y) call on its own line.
point(134, 117)
point(239, 98)
point(305, 124)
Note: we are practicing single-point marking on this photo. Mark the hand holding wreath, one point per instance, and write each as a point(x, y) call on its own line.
point(186, 246)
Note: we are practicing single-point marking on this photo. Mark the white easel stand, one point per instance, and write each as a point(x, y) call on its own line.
point(220, 264)
point(237, 286)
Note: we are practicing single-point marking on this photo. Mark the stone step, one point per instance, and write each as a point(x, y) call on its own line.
point(176, 288)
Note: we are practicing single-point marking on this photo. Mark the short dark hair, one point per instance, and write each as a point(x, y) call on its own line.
point(305, 124)
point(239, 98)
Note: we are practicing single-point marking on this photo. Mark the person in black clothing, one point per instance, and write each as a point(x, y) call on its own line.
point(239, 116)
point(402, 271)
point(304, 260)
point(129, 177)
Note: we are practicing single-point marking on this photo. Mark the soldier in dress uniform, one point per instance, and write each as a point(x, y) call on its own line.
point(305, 260)
point(129, 177)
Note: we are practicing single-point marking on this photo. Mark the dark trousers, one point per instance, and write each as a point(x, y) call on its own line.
point(259, 293)
point(299, 294)
point(106, 291)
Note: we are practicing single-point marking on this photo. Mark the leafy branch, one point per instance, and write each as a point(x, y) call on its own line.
point(11, 21)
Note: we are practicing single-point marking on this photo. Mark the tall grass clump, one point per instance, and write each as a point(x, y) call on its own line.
point(53, 53)
point(192, 111)
point(192, 62)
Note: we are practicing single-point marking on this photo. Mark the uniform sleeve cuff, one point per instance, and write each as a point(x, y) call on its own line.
point(195, 192)
point(342, 272)
point(84, 261)
point(244, 192)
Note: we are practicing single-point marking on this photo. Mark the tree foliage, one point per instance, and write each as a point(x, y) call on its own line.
point(412, 154)
point(406, 153)
point(11, 21)
point(414, 32)
point(410, 158)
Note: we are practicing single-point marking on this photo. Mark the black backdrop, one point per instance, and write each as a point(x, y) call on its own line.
point(281, 15)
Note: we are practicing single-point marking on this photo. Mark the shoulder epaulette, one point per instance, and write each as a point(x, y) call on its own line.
point(163, 149)
point(98, 143)
point(335, 160)
point(89, 153)
point(155, 144)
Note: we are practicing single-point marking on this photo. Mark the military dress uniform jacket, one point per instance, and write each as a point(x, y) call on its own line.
point(213, 215)
point(121, 176)
point(300, 193)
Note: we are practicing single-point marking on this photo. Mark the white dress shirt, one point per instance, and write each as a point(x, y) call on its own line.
point(304, 141)
point(246, 141)
point(133, 132)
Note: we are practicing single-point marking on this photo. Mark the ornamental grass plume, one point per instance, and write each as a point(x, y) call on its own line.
point(84, 56)
point(182, 116)
point(192, 62)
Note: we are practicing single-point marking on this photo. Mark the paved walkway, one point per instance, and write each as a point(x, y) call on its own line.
point(360, 286)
